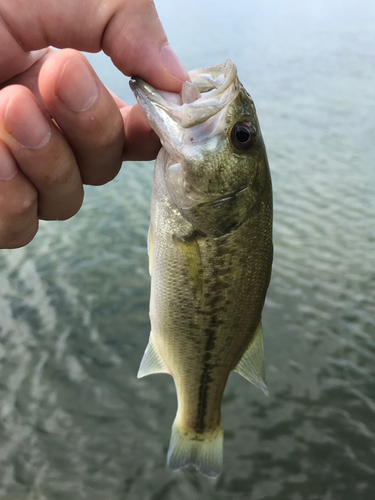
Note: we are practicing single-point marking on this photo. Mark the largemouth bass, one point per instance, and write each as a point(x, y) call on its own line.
point(210, 252)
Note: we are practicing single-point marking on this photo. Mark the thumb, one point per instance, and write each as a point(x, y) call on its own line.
point(129, 31)
point(137, 44)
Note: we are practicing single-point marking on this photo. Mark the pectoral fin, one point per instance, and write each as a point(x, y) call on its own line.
point(151, 362)
point(251, 365)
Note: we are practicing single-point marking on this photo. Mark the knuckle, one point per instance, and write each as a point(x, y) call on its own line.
point(22, 206)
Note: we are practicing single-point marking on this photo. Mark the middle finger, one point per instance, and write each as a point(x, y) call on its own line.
point(85, 112)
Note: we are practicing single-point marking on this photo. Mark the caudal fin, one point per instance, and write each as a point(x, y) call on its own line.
point(203, 450)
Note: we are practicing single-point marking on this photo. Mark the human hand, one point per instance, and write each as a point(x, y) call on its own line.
point(60, 127)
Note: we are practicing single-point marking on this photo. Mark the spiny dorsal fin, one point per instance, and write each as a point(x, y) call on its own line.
point(151, 361)
point(251, 365)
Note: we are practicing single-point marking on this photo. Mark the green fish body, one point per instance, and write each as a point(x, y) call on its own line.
point(210, 251)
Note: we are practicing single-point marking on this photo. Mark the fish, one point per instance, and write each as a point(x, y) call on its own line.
point(210, 252)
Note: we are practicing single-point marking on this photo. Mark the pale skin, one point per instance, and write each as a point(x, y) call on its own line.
point(60, 127)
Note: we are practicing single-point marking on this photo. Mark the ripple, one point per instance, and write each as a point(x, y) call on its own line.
point(74, 420)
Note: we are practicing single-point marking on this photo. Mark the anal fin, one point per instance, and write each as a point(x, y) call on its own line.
point(251, 365)
point(151, 361)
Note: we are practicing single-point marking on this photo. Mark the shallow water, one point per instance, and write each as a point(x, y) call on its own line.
point(75, 423)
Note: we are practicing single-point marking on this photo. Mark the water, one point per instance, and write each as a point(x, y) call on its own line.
point(75, 423)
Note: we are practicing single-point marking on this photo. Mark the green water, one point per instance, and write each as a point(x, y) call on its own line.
point(76, 424)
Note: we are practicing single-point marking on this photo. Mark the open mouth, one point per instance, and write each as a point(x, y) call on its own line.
point(208, 93)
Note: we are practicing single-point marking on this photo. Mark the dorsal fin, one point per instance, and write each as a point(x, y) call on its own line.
point(151, 361)
point(251, 365)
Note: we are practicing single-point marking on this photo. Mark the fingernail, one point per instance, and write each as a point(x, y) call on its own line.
point(77, 87)
point(172, 63)
point(8, 167)
point(26, 123)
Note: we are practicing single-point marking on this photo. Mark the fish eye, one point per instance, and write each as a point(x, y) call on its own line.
point(243, 136)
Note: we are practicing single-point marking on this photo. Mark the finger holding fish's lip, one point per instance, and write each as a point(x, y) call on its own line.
point(86, 114)
point(100, 128)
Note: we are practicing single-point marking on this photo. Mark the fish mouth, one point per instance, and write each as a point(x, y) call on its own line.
point(194, 114)
point(210, 85)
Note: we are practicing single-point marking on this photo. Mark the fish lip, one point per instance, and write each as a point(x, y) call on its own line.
point(140, 87)
point(153, 104)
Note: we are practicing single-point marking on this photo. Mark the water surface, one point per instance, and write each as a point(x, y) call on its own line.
point(76, 424)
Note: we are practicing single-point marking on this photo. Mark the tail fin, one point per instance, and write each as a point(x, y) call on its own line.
point(203, 450)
